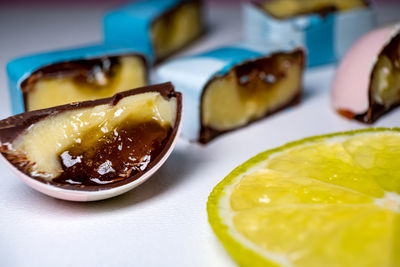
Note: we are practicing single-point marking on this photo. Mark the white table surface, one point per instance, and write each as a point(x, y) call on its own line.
point(164, 221)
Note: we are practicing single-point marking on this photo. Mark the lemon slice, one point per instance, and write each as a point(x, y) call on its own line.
point(330, 200)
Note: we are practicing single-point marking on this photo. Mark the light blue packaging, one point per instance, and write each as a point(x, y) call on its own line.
point(326, 38)
point(21, 68)
point(130, 25)
point(191, 74)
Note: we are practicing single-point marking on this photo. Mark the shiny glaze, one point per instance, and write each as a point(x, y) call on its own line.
point(115, 156)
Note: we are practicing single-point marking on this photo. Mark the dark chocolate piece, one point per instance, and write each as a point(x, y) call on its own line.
point(12, 127)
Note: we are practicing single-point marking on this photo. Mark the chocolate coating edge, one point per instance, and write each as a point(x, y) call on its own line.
point(12, 127)
point(208, 133)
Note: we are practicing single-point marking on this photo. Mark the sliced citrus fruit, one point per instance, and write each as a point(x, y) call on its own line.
point(331, 200)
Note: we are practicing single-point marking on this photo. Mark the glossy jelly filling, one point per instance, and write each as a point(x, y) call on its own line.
point(290, 8)
point(82, 80)
point(177, 28)
point(252, 90)
point(122, 153)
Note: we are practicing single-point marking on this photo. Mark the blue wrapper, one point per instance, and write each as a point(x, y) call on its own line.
point(130, 25)
point(190, 76)
point(21, 68)
point(326, 38)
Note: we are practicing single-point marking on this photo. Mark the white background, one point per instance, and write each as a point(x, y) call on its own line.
point(164, 221)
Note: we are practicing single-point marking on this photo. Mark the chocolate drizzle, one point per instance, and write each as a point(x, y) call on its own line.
point(148, 145)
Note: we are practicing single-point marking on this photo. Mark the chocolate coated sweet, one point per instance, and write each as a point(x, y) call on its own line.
point(367, 82)
point(257, 81)
point(375, 110)
point(84, 73)
point(158, 28)
point(233, 86)
point(325, 28)
point(282, 9)
point(102, 156)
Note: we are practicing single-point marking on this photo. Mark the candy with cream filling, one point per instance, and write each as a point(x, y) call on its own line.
point(230, 87)
point(60, 77)
point(94, 145)
point(160, 28)
point(326, 28)
point(367, 81)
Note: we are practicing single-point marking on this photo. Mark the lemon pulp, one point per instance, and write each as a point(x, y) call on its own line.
point(324, 201)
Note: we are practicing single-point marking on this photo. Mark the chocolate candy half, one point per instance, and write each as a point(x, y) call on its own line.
point(367, 82)
point(230, 87)
point(160, 28)
point(94, 145)
point(61, 77)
